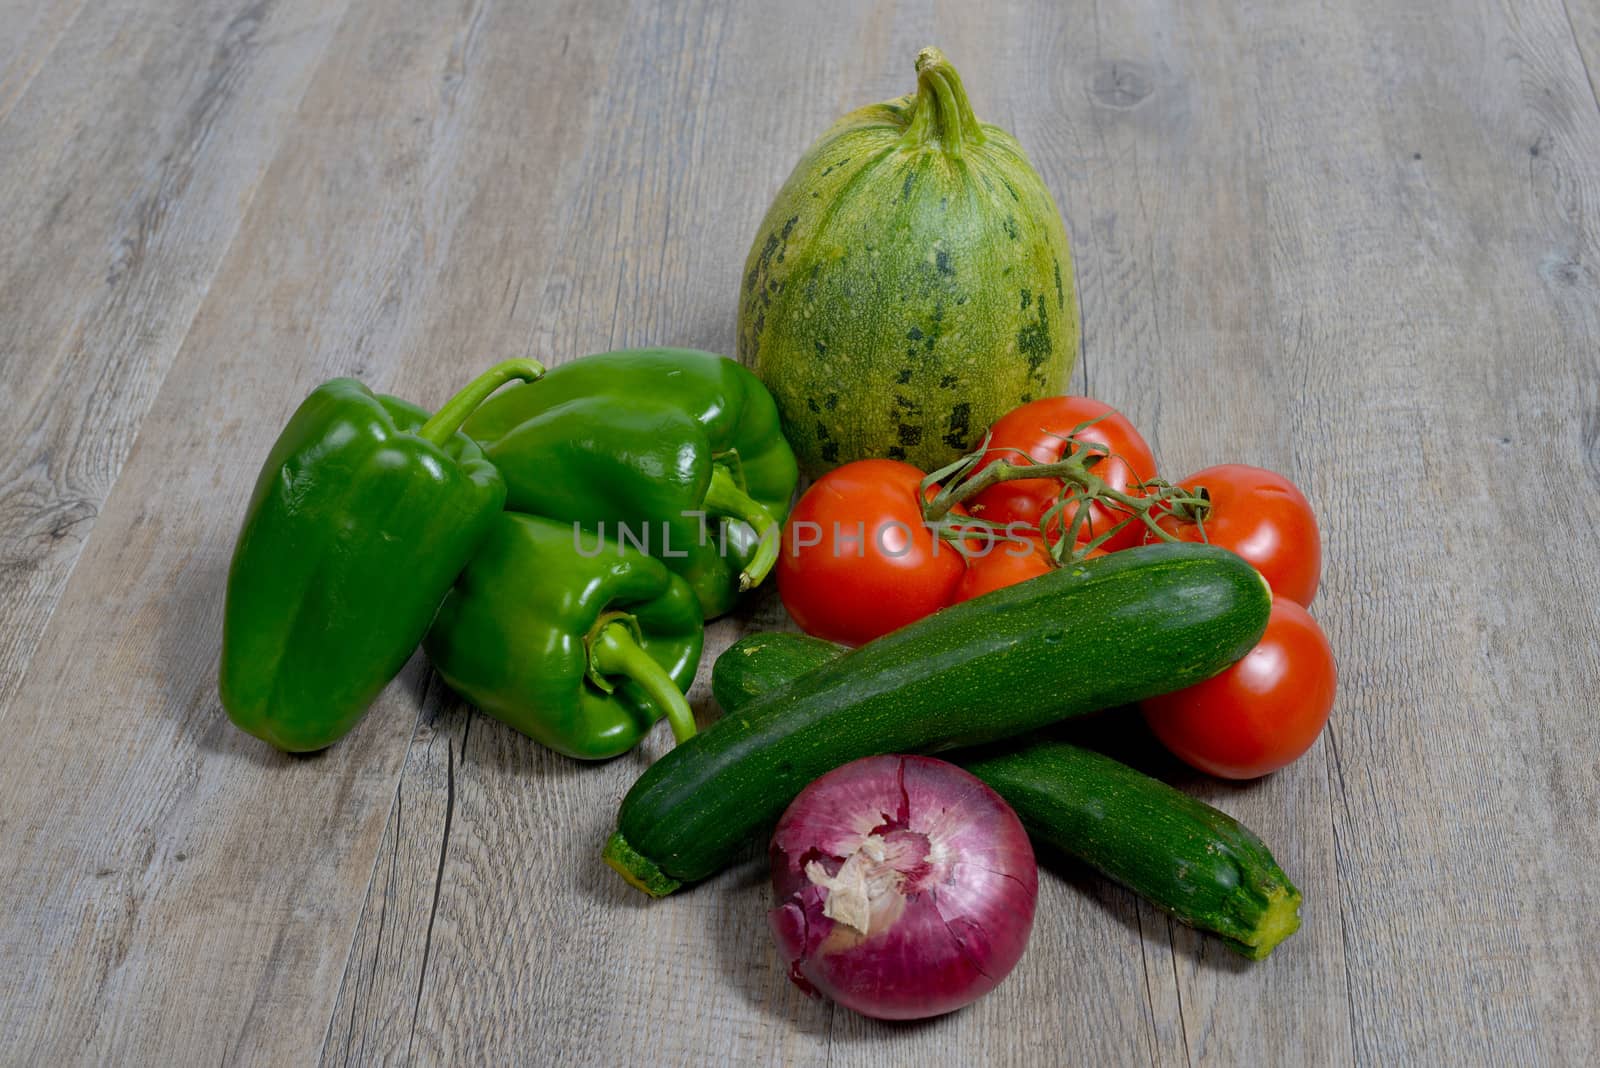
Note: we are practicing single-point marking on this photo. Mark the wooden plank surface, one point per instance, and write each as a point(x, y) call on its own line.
point(126, 170)
point(1352, 243)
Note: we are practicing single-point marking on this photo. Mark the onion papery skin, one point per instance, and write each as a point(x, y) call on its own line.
point(905, 887)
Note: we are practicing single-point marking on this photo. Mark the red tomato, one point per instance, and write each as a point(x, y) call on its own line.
point(1262, 712)
point(1262, 517)
point(1005, 564)
point(1037, 430)
point(857, 560)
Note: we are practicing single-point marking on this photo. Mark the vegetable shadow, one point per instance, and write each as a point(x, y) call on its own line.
point(189, 648)
point(737, 925)
point(1143, 920)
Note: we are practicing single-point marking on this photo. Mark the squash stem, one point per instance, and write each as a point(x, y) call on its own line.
point(942, 112)
point(1279, 920)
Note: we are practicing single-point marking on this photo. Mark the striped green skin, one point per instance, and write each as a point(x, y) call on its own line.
point(1105, 632)
point(907, 288)
point(756, 663)
point(1193, 861)
point(1187, 858)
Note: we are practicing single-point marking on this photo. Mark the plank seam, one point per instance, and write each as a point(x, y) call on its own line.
point(377, 860)
point(388, 899)
point(1183, 1023)
point(1336, 767)
point(438, 885)
point(355, 931)
point(1149, 991)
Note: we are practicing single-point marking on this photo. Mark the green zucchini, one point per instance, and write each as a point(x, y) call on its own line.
point(757, 663)
point(1195, 862)
point(1104, 632)
point(1183, 856)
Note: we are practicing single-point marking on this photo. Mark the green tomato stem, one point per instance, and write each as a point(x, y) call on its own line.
point(614, 651)
point(725, 498)
point(1080, 487)
point(447, 420)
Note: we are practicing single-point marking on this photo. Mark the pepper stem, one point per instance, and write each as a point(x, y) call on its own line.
point(942, 112)
point(447, 420)
point(725, 498)
point(614, 651)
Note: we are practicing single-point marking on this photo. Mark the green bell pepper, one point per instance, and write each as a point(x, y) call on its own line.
point(673, 451)
point(363, 515)
point(583, 654)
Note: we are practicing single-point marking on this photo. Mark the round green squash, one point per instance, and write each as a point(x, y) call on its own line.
point(910, 284)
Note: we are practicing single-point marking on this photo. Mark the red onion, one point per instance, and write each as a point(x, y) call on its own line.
point(905, 887)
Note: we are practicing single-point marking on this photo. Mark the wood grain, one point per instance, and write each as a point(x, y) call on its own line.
point(33, 31)
point(153, 914)
point(116, 219)
point(1352, 243)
